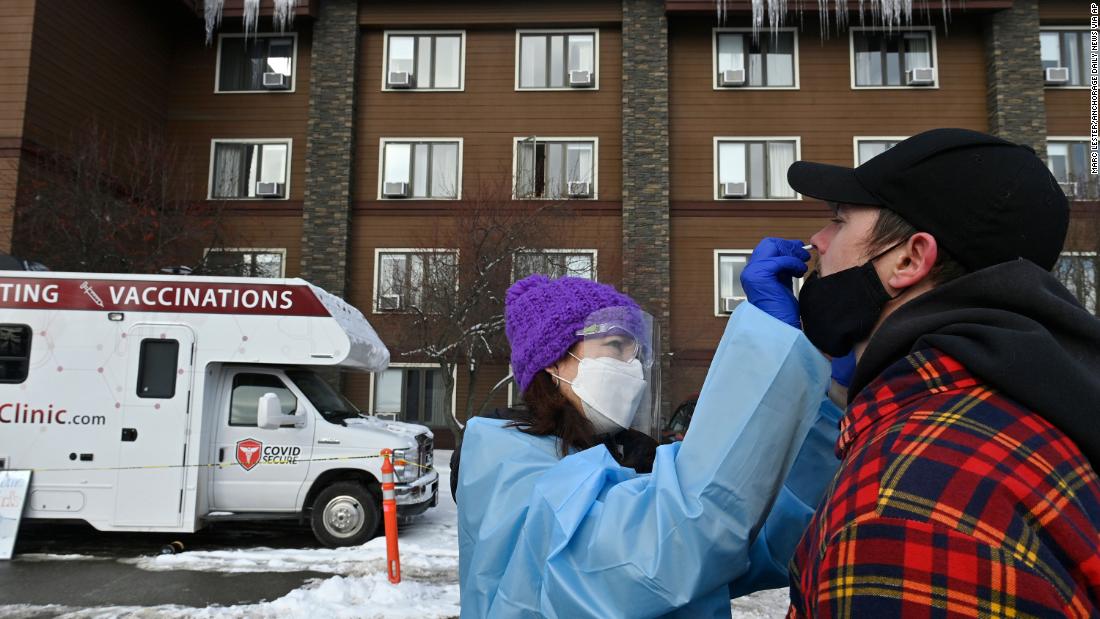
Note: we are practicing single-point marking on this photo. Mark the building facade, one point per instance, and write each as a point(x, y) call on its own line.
point(338, 143)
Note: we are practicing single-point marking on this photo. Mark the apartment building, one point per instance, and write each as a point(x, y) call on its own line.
point(337, 142)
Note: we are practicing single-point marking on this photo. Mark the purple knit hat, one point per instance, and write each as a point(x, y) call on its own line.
point(542, 317)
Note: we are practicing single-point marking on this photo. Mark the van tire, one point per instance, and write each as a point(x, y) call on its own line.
point(345, 514)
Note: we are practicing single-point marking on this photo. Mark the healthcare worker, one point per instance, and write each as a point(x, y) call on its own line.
point(556, 517)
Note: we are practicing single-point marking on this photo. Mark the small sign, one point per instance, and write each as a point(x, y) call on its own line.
point(13, 495)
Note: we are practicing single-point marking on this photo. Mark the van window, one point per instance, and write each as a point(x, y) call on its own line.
point(157, 367)
point(247, 389)
point(15, 353)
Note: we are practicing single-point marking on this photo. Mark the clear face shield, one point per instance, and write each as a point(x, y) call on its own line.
point(618, 377)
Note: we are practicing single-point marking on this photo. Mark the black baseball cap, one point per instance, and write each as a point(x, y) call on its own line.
point(986, 200)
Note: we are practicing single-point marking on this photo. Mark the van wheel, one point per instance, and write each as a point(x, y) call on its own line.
point(345, 514)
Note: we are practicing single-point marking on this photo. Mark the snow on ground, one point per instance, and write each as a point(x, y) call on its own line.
point(359, 587)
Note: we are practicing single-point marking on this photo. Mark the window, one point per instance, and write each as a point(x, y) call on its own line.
point(867, 148)
point(555, 263)
point(15, 353)
point(245, 262)
point(245, 169)
point(247, 390)
point(1068, 159)
point(555, 168)
point(1077, 272)
point(260, 63)
point(414, 279)
point(728, 265)
point(769, 61)
point(421, 168)
point(1068, 49)
point(411, 393)
point(424, 61)
point(157, 366)
point(556, 59)
point(885, 59)
point(754, 168)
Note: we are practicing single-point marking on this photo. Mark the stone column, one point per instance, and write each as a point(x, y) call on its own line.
point(645, 166)
point(326, 213)
point(1017, 108)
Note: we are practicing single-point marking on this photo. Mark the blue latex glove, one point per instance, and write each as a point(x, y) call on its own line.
point(767, 278)
point(843, 368)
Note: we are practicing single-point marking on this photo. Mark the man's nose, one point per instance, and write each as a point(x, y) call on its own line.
point(819, 241)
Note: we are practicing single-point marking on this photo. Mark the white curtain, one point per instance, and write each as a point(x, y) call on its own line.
point(228, 164)
point(780, 157)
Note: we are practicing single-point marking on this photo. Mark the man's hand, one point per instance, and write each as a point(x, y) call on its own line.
point(767, 277)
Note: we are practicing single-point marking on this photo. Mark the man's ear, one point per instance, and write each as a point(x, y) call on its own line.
point(912, 266)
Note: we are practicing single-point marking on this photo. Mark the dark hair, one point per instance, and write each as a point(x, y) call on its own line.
point(890, 228)
point(549, 413)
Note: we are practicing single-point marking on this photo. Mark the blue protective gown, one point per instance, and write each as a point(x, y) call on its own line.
point(582, 536)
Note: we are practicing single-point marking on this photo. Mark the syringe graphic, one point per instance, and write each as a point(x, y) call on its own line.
point(91, 294)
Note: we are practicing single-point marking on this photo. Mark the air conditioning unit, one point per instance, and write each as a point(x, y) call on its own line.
point(1056, 76)
point(1070, 189)
point(734, 190)
point(580, 189)
point(400, 79)
point(731, 77)
point(580, 79)
point(276, 81)
point(920, 77)
point(269, 190)
point(389, 302)
point(395, 190)
point(386, 416)
point(729, 304)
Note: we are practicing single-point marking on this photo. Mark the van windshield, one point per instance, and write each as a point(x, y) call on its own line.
point(324, 398)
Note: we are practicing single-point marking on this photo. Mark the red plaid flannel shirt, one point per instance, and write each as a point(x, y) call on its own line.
point(951, 501)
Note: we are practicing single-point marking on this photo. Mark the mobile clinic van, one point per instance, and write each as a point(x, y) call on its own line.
point(139, 401)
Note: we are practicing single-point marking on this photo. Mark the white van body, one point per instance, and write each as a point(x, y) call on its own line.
point(134, 401)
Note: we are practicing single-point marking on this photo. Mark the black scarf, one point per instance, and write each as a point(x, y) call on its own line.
point(1015, 327)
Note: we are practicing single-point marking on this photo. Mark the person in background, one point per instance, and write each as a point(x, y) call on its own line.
point(968, 485)
point(568, 508)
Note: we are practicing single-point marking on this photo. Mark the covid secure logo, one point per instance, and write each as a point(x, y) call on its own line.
point(248, 453)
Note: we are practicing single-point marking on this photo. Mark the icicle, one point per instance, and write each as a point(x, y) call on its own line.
point(212, 12)
point(284, 13)
point(251, 15)
point(894, 13)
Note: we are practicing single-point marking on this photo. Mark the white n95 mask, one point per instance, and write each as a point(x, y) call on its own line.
point(610, 391)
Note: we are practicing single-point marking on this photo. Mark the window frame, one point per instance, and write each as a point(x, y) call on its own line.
point(250, 250)
point(796, 282)
point(593, 252)
point(237, 35)
point(382, 142)
point(553, 31)
point(378, 251)
point(141, 367)
point(871, 138)
point(595, 165)
point(257, 141)
point(1085, 65)
point(714, 157)
point(402, 365)
point(714, 60)
point(852, 56)
point(386, 34)
point(288, 384)
point(1063, 138)
point(26, 362)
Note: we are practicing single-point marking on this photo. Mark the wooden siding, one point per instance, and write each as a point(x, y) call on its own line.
point(489, 113)
point(517, 13)
point(260, 231)
point(16, 24)
point(825, 112)
point(196, 115)
point(1067, 108)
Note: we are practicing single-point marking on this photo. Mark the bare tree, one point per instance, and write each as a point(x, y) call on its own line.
point(108, 204)
point(446, 299)
point(1079, 267)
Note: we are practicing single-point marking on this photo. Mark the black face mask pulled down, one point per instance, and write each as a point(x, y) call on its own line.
point(839, 310)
